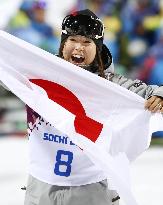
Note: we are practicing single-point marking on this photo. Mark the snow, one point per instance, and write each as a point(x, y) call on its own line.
point(146, 172)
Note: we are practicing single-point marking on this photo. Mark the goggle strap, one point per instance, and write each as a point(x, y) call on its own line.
point(96, 37)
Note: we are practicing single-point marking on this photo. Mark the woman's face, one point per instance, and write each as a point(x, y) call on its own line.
point(79, 50)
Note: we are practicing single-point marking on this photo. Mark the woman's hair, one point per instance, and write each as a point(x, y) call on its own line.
point(61, 48)
point(100, 64)
point(97, 63)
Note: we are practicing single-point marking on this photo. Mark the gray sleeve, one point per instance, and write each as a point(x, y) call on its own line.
point(136, 86)
point(3, 85)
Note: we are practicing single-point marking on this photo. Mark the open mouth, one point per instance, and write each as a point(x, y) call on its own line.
point(77, 59)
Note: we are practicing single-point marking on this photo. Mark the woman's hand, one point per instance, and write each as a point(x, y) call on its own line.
point(154, 104)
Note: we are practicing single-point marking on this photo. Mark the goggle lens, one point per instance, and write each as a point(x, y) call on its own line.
point(83, 25)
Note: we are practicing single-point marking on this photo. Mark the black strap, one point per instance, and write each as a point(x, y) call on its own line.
point(23, 188)
point(116, 198)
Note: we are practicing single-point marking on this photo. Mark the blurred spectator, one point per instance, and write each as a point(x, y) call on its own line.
point(152, 70)
point(135, 19)
point(38, 19)
point(139, 24)
point(102, 8)
point(29, 24)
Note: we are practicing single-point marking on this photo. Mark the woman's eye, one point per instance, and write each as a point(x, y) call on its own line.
point(88, 42)
point(72, 39)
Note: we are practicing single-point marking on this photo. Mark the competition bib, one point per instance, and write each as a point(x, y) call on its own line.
point(55, 159)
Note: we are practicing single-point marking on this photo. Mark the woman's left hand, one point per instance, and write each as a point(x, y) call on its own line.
point(154, 104)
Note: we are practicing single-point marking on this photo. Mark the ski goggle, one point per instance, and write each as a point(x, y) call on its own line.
point(83, 25)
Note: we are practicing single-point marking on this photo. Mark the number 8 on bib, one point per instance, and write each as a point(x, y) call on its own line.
point(61, 163)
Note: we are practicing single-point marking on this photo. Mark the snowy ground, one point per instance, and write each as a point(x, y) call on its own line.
point(147, 173)
point(13, 170)
point(147, 177)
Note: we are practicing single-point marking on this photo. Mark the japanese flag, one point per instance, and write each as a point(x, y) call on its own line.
point(107, 121)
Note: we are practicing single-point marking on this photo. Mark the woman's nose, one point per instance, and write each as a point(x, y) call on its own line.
point(79, 46)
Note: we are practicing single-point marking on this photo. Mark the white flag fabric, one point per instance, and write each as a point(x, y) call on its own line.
point(107, 121)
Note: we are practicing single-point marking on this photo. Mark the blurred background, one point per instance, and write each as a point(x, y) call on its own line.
point(134, 35)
